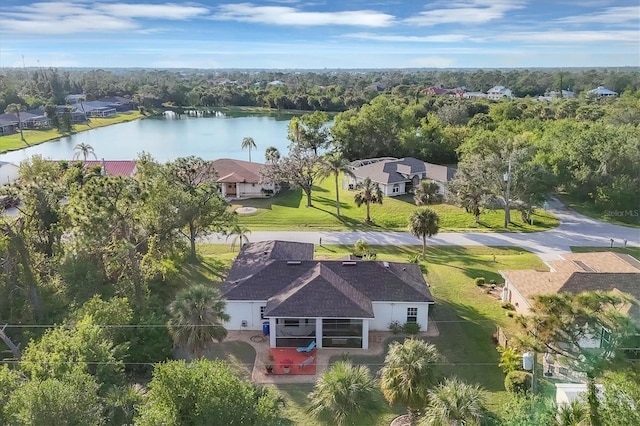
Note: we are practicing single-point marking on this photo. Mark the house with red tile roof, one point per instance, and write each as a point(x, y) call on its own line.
point(241, 179)
point(126, 168)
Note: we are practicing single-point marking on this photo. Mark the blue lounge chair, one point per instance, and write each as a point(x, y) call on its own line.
point(307, 348)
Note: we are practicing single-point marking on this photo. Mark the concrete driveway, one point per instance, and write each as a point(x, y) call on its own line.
point(574, 230)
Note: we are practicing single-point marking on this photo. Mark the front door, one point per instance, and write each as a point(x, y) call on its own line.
point(231, 190)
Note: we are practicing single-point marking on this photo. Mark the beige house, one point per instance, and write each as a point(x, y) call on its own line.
point(241, 179)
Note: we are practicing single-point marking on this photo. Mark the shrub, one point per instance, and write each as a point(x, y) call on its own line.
point(411, 328)
point(510, 360)
point(518, 382)
point(395, 327)
point(508, 306)
point(492, 282)
point(480, 281)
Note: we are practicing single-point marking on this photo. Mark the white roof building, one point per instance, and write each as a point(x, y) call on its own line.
point(499, 92)
point(602, 91)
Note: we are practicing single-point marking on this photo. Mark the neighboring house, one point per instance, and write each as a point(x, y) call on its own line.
point(549, 96)
point(72, 99)
point(120, 103)
point(474, 95)
point(29, 120)
point(241, 179)
point(9, 172)
point(77, 116)
point(499, 92)
point(126, 168)
point(602, 91)
point(276, 286)
point(397, 176)
point(96, 109)
point(8, 126)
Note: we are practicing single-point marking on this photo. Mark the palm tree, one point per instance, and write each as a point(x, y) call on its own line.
point(271, 154)
point(83, 150)
point(197, 315)
point(248, 143)
point(240, 236)
point(334, 164)
point(344, 395)
point(424, 223)
point(427, 192)
point(454, 403)
point(16, 109)
point(370, 192)
point(408, 373)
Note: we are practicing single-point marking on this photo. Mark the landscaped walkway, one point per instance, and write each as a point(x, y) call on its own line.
point(261, 345)
point(574, 230)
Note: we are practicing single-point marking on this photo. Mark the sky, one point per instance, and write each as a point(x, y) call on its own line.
point(317, 34)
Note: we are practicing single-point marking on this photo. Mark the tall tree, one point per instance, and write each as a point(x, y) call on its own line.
point(560, 324)
point(200, 206)
point(205, 392)
point(271, 154)
point(427, 192)
point(408, 374)
point(309, 132)
point(621, 398)
point(239, 235)
point(83, 150)
point(300, 170)
point(369, 192)
point(424, 223)
point(454, 403)
point(248, 143)
point(17, 109)
point(335, 164)
point(345, 394)
point(197, 318)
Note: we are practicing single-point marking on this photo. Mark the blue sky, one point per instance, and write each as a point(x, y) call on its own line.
point(321, 34)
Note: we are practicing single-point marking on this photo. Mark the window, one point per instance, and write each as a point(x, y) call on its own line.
point(605, 339)
point(396, 188)
point(291, 323)
point(262, 312)
point(412, 315)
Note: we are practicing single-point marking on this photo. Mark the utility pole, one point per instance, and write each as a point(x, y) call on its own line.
point(507, 195)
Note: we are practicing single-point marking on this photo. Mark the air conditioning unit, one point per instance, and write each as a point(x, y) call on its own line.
point(244, 323)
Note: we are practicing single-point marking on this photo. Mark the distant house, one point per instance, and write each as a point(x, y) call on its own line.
point(551, 95)
point(76, 115)
point(398, 176)
point(8, 126)
point(75, 98)
point(499, 92)
point(602, 91)
point(277, 287)
point(241, 179)
point(28, 120)
point(126, 168)
point(120, 103)
point(96, 109)
point(9, 172)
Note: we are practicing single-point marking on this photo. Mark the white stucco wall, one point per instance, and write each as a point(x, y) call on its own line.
point(244, 311)
point(8, 173)
point(387, 190)
point(386, 312)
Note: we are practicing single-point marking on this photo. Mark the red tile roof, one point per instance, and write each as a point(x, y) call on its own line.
point(237, 171)
point(125, 168)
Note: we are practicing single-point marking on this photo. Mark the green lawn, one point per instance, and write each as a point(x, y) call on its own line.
point(287, 211)
point(465, 315)
point(35, 137)
point(628, 218)
point(631, 251)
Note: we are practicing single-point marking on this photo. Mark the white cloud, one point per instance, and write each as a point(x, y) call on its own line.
point(433, 62)
point(611, 16)
point(560, 36)
point(465, 12)
point(439, 38)
point(281, 15)
point(167, 11)
point(66, 17)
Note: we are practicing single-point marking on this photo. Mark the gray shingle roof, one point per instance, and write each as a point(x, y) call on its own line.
point(327, 288)
point(391, 171)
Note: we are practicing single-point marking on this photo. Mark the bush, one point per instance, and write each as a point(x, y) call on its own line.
point(508, 306)
point(492, 282)
point(518, 382)
point(395, 327)
point(480, 281)
point(411, 328)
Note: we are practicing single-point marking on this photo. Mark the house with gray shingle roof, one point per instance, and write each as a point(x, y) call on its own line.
point(398, 176)
point(278, 286)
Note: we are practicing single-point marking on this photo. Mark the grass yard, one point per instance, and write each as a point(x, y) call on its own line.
point(631, 251)
point(465, 315)
point(626, 218)
point(35, 137)
point(287, 211)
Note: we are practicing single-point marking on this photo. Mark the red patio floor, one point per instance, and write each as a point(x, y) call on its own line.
point(290, 356)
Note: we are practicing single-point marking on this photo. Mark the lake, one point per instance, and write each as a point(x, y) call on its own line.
point(169, 138)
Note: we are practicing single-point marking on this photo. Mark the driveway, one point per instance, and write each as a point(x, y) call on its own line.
point(574, 230)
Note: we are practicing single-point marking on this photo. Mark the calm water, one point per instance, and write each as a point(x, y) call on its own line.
point(167, 139)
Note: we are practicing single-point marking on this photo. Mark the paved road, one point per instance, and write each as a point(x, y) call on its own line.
point(574, 230)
